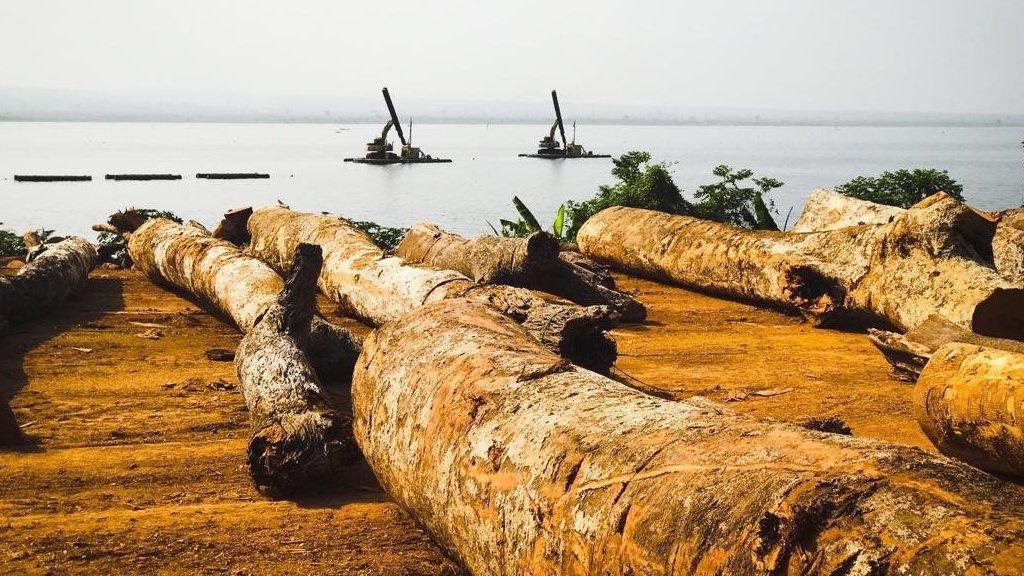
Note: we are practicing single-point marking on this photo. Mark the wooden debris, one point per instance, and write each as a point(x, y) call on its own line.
point(969, 401)
point(520, 463)
point(924, 262)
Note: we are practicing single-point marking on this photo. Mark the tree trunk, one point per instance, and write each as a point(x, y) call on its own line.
point(827, 210)
point(968, 402)
point(921, 263)
point(373, 287)
point(240, 286)
point(298, 440)
point(908, 353)
point(531, 262)
point(519, 463)
point(43, 283)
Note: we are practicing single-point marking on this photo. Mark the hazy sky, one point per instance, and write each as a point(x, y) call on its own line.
point(892, 55)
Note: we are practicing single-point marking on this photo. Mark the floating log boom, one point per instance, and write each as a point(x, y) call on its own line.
point(50, 178)
point(143, 176)
point(518, 463)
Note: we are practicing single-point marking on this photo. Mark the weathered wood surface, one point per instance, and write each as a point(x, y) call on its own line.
point(299, 440)
point(531, 262)
point(519, 463)
point(43, 283)
point(238, 285)
point(969, 401)
point(920, 264)
point(908, 353)
point(376, 288)
point(828, 210)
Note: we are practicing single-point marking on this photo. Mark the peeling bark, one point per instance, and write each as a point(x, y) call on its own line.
point(375, 288)
point(924, 262)
point(531, 262)
point(298, 439)
point(969, 401)
point(43, 283)
point(519, 463)
point(908, 353)
point(827, 210)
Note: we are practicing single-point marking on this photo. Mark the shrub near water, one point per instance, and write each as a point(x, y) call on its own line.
point(902, 188)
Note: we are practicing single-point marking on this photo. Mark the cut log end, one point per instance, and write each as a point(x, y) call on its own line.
point(576, 333)
point(1001, 315)
point(300, 452)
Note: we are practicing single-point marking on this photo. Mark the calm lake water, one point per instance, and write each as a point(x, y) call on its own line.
point(307, 172)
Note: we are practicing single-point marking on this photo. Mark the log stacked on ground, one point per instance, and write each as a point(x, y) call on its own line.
point(373, 287)
point(828, 210)
point(924, 262)
point(969, 401)
point(298, 439)
point(519, 463)
point(532, 262)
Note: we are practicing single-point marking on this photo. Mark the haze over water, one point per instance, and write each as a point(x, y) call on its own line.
point(307, 172)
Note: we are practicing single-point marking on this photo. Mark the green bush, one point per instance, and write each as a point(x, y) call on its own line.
point(732, 201)
point(902, 188)
point(384, 236)
point(12, 244)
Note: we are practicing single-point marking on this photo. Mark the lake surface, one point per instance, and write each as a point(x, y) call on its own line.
point(307, 172)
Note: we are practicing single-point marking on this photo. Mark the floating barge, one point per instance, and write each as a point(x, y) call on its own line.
point(380, 152)
point(50, 178)
point(551, 149)
point(231, 175)
point(143, 176)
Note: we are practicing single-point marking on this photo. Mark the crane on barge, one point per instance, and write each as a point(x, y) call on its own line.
point(381, 152)
point(551, 149)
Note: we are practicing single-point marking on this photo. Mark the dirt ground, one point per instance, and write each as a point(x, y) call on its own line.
point(137, 439)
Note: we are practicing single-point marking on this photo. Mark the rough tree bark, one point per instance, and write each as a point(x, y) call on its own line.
point(297, 440)
point(969, 400)
point(531, 262)
point(519, 463)
point(828, 210)
point(920, 264)
point(47, 280)
point(369, 285)
point(908, 353)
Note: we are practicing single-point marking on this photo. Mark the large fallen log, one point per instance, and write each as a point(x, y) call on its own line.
point(532, 262)
point(519, 463)
point(828, 210)
point(298, 439)
point(969, 401)
point(921, 263)
point(909, 353)
point(375, 288)
point(40, 285)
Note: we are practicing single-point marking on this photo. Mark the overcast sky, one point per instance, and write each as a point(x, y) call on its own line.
point(865, 55)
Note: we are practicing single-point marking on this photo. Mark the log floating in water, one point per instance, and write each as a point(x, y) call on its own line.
point(143, 176)
point(924, 262)
point(531, 262)
point(369, 285)
point(50, 178)
point(231, 175)
point(298, 439)
point(518, 463)
point(969, 401)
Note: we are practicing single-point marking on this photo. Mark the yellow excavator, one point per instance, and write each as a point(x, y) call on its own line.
point(551, 149)
point(381, 152)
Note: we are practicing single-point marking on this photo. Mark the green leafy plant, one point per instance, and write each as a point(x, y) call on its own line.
point(733, 200)
point(902, 188)
point(12, 244)
point(528, 223)
point(386, 237)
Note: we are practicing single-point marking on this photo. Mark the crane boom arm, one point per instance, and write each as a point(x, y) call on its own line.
point(558, 116)
point(394, 117)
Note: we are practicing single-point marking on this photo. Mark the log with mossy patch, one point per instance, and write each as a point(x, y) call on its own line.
point(531, 262)
point(520, 463)
point(376, 288)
